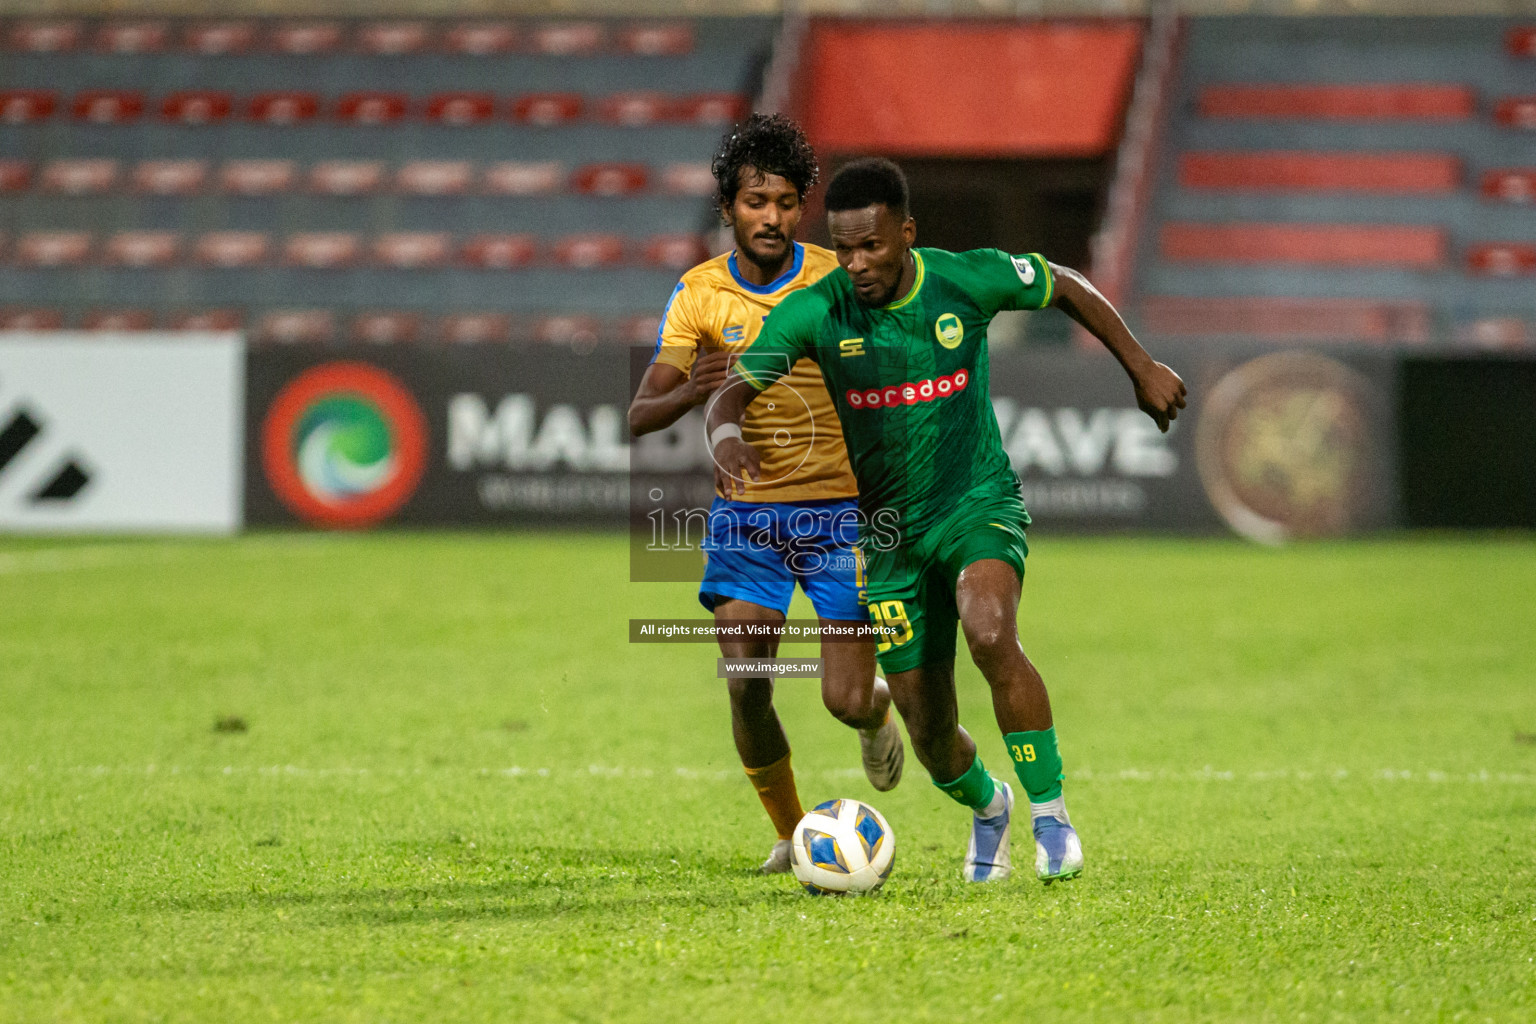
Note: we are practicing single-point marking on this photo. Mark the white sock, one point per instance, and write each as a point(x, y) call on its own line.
point(997, 805)
point(1051, 809)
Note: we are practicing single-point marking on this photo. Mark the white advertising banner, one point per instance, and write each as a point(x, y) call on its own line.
point(121, 432)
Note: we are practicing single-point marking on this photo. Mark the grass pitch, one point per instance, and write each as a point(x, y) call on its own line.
point(1305, 780)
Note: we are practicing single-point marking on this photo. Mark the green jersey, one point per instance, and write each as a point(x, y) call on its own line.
point(909, 380)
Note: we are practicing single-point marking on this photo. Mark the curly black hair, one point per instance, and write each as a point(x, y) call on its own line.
point(773, 144)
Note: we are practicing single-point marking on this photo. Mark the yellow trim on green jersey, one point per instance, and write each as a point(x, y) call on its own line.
point(756, 384)
point(917, 283)
point(1050, 280)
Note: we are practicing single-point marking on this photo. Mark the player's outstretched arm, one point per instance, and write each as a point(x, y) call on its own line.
point(666, 393)
point(734, 459)
point(1159, 391)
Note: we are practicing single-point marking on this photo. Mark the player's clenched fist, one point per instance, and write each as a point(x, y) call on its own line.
point(736, 462)
point(708, 374)
point(1160, 394)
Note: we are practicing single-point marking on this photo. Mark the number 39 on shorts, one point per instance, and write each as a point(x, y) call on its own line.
point(890, 617)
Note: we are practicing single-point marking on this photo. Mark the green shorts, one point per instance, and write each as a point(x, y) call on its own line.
point(911, 590)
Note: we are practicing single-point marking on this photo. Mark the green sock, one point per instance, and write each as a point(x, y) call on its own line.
point(1037, 762)
point(974, 788)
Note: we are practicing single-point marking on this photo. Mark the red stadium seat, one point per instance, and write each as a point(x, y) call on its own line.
point(413, 249)
point(547, 109)
point(391, 38)
point(80, 177)
point(611, 179)
point(25, 106)
point(196, 107)
point(257, 177)
point(383, 328)
point(20, 319)
point(346, 177)
point(635, 109)
point(302, 38)
point(216, 38)
point(45, 36)
point(372, 107)
point(1510, 185)
point(1516, 112)
point(229, 249)
point(107, 106)
point(688, 179)
point(499, 252)
point(568, 329)
point(1415, 173)
point(672, 39)
point(568, 39)
point(639, 329)
point(142, 248)
point(117, 320)
point(1502, 259)
point(461, 108)
point(480, 38)
point(15, 176)
point(676, 252)
point(474, 328)
point(132, 36)
point(283, 107)
point(53, 249)
point(170, 177)
point(520, 178)
point(435, 177)
point(1494, 332)
point(1521, 41)
point(206, 320)
point(723, 108)
point(1334, 244)
point(1340, 102)
point(322, 250)
point(589, 251)
point(1288, 319)
point(295, 326)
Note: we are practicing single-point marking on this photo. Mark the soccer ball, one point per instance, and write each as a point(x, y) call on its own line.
point(842, 846)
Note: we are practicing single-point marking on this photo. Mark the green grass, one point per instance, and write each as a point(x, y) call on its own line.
point(1303, 779)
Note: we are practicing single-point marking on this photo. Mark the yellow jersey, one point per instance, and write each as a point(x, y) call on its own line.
point(792, 423)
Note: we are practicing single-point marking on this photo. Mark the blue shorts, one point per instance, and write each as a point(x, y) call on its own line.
point(758, 552)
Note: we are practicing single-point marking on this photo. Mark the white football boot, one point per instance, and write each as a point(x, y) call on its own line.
point(1058, 851)
point(987, 858)
point(778, 861)
point(883, 754)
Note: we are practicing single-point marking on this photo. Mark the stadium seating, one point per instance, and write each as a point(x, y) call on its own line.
point(1346, 179)
point(391, 180)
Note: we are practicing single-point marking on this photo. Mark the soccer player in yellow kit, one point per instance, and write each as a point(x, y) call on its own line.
point(798, 522)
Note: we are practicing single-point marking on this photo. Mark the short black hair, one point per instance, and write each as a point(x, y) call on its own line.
point(773, 144)
point(866, 182)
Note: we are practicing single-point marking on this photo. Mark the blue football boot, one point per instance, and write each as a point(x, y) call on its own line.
point(987, 858)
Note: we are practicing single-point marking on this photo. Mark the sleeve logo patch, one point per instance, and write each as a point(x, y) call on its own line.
point(1025, 268)
point(949, 330)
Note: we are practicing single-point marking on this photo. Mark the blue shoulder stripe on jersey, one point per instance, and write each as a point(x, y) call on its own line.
point(778, 282)
point(663, 325)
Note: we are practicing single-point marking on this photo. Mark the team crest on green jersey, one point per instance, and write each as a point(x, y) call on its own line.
point(949, 330)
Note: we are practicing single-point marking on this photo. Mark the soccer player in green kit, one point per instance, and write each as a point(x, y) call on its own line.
point(900, 336)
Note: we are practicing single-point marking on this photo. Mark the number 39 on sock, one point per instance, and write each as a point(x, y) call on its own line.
point(1022, 753)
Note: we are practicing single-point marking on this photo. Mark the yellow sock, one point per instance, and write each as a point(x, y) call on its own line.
point(775, 785)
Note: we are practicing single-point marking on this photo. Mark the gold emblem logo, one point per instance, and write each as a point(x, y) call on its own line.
point(851, 347)
point(949, 330)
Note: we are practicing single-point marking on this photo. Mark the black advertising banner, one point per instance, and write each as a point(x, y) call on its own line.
point(417, 436)
point(1275, 444)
